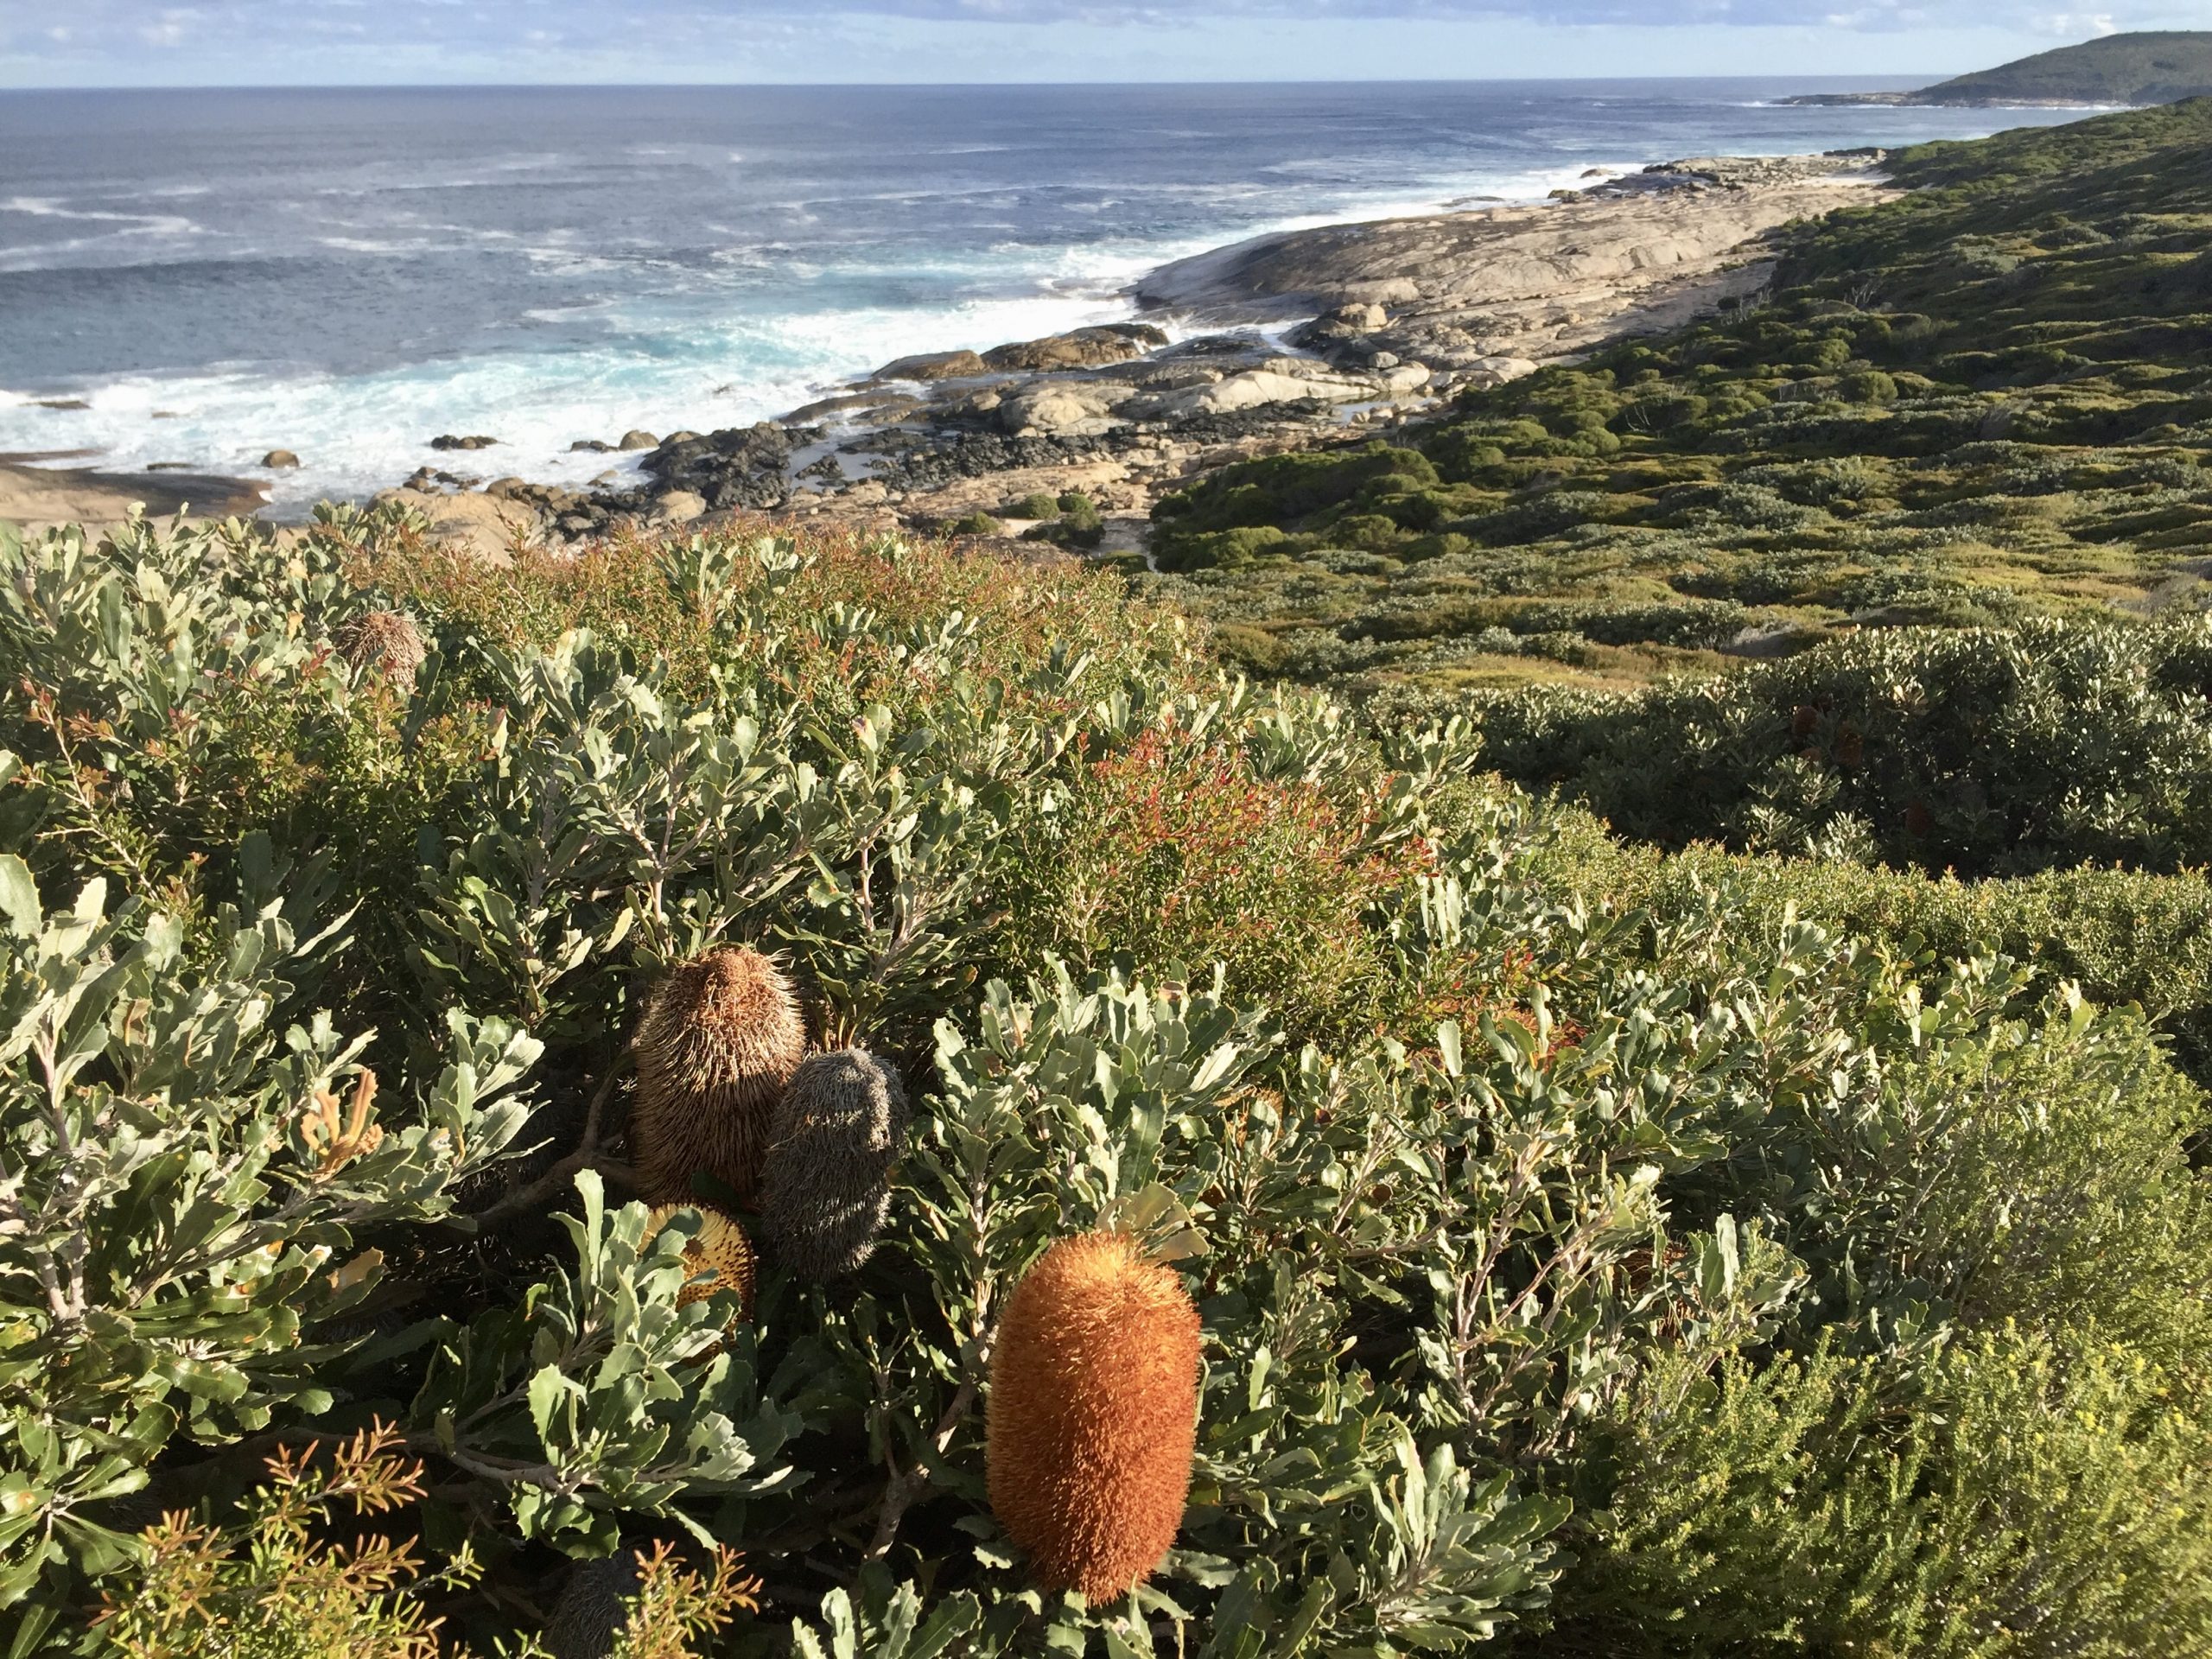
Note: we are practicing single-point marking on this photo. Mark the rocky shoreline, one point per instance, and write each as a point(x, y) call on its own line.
point(1278, 342)
point(1274, 343)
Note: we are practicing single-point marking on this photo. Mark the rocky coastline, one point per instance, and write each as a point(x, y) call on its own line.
point(1279, 342)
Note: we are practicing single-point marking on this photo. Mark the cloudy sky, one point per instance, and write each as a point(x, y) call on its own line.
point(321, 42)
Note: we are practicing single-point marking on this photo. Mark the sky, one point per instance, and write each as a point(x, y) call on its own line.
point(354, 43)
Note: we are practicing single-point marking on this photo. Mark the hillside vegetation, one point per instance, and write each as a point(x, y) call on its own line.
point(1984, 403)
point(1587, 1249)
point(2141, 67)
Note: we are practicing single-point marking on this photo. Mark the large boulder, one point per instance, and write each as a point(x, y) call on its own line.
point(449, 441)
point(934, 365)
point(1065, 408)
point(1497, 370)
point(1084, 348)
point(276, 459)
point(739, 468)
point(1346, 322)
point(1285, 380)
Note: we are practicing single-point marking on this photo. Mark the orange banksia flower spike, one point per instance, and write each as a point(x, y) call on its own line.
point(1093, 1414)
point(718, 1257)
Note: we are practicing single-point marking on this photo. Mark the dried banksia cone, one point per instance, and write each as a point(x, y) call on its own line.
point(593, 1610)
point(717, 1257)
point(1094, 1415)
point(825, 1185)
point(722, 1035)
point(388, 641)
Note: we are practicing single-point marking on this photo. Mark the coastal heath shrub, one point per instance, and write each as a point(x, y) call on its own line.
point(1985, 751)
point(1171, 850)
point(2125, 936)
point(273, 1583)
point(2009, 1498)
point(267, 1584)
point(188, 1184)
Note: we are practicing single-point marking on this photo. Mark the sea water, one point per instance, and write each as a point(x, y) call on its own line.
point(348, 274)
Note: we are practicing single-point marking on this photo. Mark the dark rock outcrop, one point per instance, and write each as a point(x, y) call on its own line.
point(740, 467)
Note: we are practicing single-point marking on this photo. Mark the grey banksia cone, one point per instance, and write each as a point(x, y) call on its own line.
point(825, 1186)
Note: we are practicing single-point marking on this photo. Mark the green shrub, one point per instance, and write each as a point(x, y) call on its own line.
point(1465, 1126)
point(2005, 1499)
point(978, 522)
point(1980, 751)
point(1847, 419)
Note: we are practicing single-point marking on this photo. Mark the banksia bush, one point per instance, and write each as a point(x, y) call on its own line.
point(388, 641)
point(1093, 1415)
point(721, 1038)
point(719, 1256)
point(825, 1185)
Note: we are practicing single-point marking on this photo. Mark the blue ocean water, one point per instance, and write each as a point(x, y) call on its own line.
point(348, 273)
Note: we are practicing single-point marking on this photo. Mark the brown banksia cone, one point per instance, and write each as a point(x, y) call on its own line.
point(720, 1037)
point(388, 641)
point(1094, 1415)
point(825, 1184)
point(718, 1257)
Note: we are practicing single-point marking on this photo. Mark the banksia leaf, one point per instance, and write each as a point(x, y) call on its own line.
point(720, 1037)
point(718, 1257)
point(1093, 1415)
point(825, 1185)
point(387, 641)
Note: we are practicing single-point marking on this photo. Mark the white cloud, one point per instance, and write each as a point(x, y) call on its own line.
point(2072, 25)
point(169, 28)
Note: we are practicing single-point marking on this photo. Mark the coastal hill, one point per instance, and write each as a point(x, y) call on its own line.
point(1982, 402)
point(2148, 66)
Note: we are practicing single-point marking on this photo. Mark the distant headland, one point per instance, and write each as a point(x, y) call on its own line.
point(2149, 67)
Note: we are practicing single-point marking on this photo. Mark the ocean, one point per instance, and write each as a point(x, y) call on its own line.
point(348, 274)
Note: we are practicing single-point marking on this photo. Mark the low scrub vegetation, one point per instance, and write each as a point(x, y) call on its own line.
point(1545, 1243)
point(1983, 751)
point(1985, 403)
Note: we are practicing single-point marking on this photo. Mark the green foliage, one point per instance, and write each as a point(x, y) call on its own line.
point(1075, 521)
point(1987, 402)
point(1978, 751)
point(2000, 1499)
point(1481, 1142)
point(977, 523)
point(183, 1199)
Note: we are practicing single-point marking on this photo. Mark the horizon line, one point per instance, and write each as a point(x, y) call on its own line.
point(926, 86)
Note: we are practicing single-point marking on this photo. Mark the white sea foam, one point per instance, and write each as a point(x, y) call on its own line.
point(614, 331)
point(358, 434)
